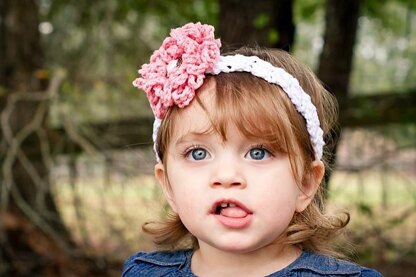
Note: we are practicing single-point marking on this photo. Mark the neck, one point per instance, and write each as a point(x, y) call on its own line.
point(209, 261)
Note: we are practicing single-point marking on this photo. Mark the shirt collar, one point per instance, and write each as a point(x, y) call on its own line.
point(306, 261)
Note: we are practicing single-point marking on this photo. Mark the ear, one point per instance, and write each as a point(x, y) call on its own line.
point(310, 185)
point(162, 178)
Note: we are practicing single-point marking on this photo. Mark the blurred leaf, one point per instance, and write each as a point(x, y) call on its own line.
point(390, 13)
point(308, 10)
point(365, 208)
point(2, 91)
point(273, 36)
point(395, 221)
point(261, 21)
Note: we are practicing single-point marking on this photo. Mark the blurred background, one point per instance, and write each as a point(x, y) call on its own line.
point(76, 179)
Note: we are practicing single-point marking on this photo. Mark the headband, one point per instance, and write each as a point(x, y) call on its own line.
point(177, 69)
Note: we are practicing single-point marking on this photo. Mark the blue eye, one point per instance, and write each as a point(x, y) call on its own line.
point(198, 154)
point(258, 153)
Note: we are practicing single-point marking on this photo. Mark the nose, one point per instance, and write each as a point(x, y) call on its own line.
point(228, 172)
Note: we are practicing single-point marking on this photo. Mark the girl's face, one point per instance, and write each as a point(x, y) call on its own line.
point(233, 195)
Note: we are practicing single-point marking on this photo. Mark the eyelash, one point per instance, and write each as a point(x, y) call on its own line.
point(261, 146)
point(186, 152)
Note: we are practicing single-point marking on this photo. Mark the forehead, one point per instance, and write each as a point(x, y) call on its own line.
point(195, 117)
point(256, 108)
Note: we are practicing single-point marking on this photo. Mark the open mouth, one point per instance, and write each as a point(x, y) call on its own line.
point(230, 208)
point(232, 214)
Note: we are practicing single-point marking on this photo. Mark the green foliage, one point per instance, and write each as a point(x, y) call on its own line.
point(3, 91)
point(102, 43)
point(389, 13)
point(273, 36)
point(308, 10)
point(385, 54)
point(261, 21)
point(365, 208)
point(385, 50)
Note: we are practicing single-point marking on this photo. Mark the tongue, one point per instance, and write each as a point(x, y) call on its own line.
point(235, 212)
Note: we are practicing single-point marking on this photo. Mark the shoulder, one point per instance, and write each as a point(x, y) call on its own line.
point(312, 264)
point(160, 263)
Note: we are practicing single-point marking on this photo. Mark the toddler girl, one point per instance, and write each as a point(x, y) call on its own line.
point(239, 142)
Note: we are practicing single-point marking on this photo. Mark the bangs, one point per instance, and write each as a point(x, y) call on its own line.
point(259, 110)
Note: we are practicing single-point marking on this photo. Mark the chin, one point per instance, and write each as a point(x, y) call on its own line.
point(237, 247)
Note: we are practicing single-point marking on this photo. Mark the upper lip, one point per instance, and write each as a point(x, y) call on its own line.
point(230, 201)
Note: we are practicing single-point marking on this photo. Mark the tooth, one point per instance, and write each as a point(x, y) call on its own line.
point(224, 205)
point(231, 205)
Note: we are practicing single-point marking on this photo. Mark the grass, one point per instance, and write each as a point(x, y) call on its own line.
point(374, 188)
point(107, 219)
point(382, 205)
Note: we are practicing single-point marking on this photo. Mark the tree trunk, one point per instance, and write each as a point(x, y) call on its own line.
point(268, 23)
point(335, 62)
point(32, 234)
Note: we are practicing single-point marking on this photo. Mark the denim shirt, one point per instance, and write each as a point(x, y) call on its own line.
point(178, 263)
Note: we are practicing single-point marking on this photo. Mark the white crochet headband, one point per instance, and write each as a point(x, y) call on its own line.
point(177, 69)
point(290, 85)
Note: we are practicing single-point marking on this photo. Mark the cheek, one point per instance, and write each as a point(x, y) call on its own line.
point(279, 193)
point(279, 209)
point(279, 203)
point(185, 193)
point(185, 202)
point(190, 212)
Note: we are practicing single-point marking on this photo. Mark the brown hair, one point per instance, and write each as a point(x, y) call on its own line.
point(260, 109)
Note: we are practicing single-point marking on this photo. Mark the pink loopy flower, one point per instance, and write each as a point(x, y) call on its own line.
point(177, 69)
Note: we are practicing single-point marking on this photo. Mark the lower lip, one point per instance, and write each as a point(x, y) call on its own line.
point(234, 222)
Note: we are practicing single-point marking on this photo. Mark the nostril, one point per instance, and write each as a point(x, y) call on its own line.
point(226, 182)
point(228, 178)
point(236, 183)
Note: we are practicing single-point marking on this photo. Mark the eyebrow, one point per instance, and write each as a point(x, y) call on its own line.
point(191, 135)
